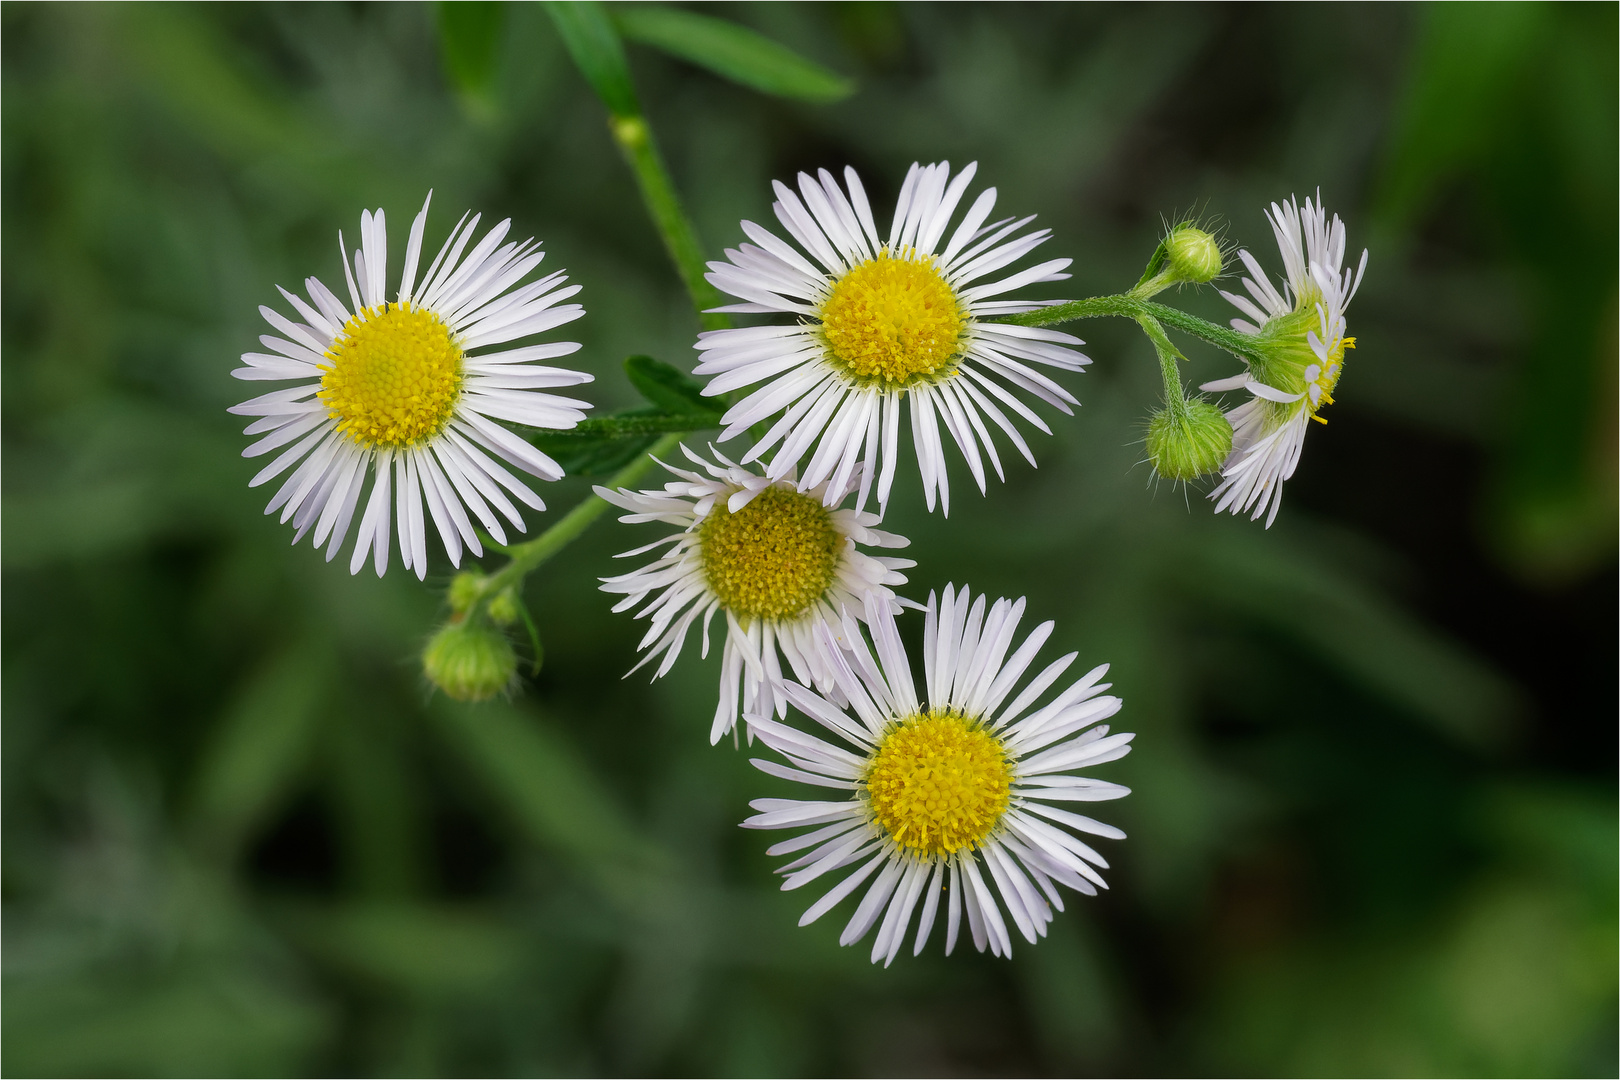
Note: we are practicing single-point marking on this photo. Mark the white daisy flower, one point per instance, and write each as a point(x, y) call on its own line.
point(945, 798)
point(882, 321)
point(777, 560)
point(1300, 334)
point(392, 388)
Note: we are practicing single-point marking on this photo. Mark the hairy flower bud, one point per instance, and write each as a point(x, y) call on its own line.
point(1191, 444)
point(464, 590)
point(503, 608)
point(1193, 254)
point(470, 661)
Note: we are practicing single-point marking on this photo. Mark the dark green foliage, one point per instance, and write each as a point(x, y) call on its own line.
point(732, 52)
point(1373, 820)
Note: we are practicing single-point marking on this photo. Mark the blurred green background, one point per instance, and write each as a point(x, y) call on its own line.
point(1374, 823)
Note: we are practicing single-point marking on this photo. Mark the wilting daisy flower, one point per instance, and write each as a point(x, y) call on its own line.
point(392, 389)
point(883, 323)
point(945, 799)
point(1299, 355)
point(777, 561)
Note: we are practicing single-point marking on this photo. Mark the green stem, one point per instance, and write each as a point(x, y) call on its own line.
point(1174, 398)
point(635, 139)
point(1129, 307)
point(526, 557)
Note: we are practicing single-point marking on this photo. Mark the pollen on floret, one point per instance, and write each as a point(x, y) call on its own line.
point(772, 559)
point(938, 783)
point(893, 320)
point(393, 376)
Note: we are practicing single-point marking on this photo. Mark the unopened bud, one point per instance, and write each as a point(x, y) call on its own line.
point(1190, 445)
point(503, 609)
point(470, 661)
point(1194, 255)
point(464, 590)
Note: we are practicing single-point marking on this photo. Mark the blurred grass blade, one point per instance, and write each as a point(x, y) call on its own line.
point(597, 51)
point(733, 52)
point(1472, 58)
point(431, 950)
point(1364, 636)
point(260, 747)
point(470, 37)
point(550, 793)
point(668, 387)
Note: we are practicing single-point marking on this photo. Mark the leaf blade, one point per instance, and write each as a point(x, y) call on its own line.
point(733, 52)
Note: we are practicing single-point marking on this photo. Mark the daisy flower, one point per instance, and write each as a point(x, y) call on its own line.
point(777, 559)
point(392, 390)
point(1300, 344)
point(945, 799)
point(882, 322)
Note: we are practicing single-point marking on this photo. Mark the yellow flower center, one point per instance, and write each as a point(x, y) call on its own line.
point(1328, 377)
point(773, 558)
point(938, 783)
point(394, 376)
point(893, 320)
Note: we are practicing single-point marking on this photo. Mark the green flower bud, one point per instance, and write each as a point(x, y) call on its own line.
point(503, 609)
point(464, 590)
point(470, 661)
point(1193, 254)
point(1190, 445)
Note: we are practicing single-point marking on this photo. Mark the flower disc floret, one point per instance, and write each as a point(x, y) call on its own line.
point(773, 558)
point(893, 320)
point(938, 783)
point(393, 377)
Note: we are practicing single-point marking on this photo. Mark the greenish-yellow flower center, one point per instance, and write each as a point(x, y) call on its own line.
point(938, 783)
point(893, 320)
point(393, 376)
point(773, 558)
point(1328, 377)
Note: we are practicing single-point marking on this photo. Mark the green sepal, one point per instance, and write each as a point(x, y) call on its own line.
point(1155, 264)
point(587, 32)
point(470, 37)
point(732, 52)
point(1161, 254)
point(668, 387)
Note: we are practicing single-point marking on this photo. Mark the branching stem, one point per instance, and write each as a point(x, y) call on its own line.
point(1129, 307)
point(530, 554)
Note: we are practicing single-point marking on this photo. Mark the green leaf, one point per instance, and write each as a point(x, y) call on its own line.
point(667, 387)
point(470, 35)
point(605, 444)
point(732, 52)
point(588, 34)
point(550, 793)
point(260, 746)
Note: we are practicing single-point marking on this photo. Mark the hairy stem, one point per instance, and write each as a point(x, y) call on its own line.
point(1129, 307)
point(530, 554)
point(1174, 398)
point(635, 138)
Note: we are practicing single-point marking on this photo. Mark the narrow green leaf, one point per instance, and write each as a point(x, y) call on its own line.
point(594, 44)
point(732, 52)
point(434, 950)
point(550, 793)
point(605, 444)
point(668, 387)
point(470, 35)
point(259, 747)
